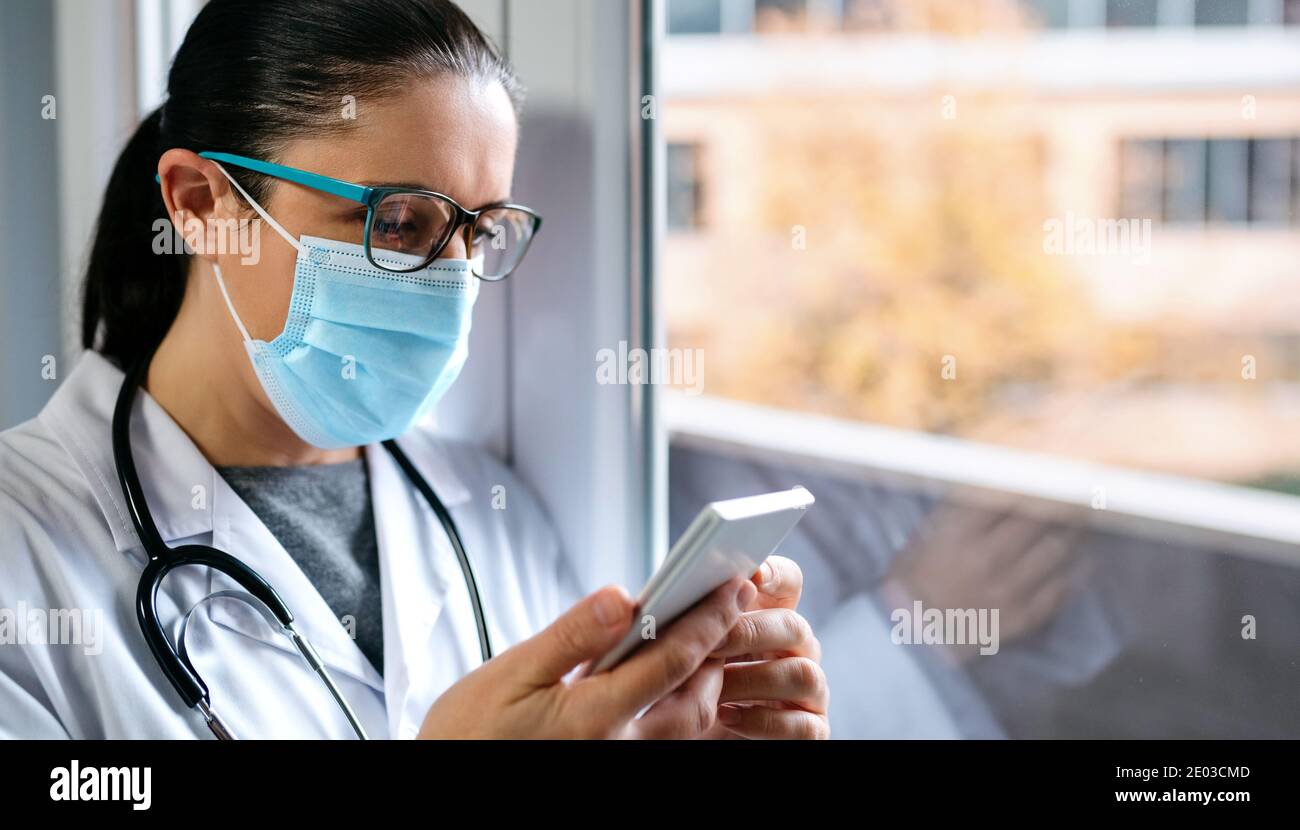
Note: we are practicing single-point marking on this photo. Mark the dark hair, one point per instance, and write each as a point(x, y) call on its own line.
point(249, 76)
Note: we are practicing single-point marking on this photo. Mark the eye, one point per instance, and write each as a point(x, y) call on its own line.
point(387, 227)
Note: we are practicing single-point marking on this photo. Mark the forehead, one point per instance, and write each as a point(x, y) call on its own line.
point(449, 134)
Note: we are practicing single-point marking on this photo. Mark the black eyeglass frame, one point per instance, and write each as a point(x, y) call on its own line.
point(371, 197)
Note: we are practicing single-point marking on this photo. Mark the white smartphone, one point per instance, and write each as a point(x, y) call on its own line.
point(727, 539)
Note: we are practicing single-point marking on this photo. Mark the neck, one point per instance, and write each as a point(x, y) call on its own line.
point(202, 377)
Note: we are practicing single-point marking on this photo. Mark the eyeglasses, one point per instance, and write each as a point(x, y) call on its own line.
point(419, 222)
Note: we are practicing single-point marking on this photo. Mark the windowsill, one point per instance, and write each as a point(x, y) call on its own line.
point(1236, 520)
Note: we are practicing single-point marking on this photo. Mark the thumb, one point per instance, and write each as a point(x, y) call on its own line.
point(586, 631)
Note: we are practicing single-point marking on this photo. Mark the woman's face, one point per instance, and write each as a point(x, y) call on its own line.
point(450, 135)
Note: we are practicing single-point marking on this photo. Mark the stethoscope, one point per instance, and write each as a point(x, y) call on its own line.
point(163, 559)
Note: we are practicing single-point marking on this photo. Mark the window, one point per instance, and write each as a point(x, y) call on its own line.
point(1229, 180)
point(1222, 12)
point(688, 17)
point(868, 15)
point(945, 295)
point(1295, 181)
point(1185, 180)
point(1132, 12)
point(684, 187)
point(1270, 181)
point(1220, 181)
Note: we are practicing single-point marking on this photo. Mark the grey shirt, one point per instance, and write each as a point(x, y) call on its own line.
point(321, 515)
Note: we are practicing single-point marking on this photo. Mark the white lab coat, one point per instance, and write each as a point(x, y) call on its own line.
point(66, 542)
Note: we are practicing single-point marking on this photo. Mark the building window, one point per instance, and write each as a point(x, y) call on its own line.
point(694, 17)
point(1295, 181)
point(1184, 184)
point(868, 15)
point(1227, 181)
point(1271, 181)
point(1120, 13)
point(684, 187)
point(1222, 12)
point(1220, 181)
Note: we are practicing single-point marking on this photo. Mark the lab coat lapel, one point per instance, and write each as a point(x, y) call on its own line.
point(176, 478)
point(238, 531)
point(189, 500)
point(419, 572)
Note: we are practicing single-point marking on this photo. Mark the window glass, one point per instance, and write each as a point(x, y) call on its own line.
point(684, 186)
point(1222, 12)
point(1132, 12)
point(1031, 338)
point(1270, 180)
point(1185, 168)
point(687, 17)
point(1229, 180)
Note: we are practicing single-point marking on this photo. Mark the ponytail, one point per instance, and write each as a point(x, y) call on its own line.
point(131, 295)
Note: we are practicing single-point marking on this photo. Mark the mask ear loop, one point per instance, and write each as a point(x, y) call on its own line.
point(266, 217)
point(260, 212)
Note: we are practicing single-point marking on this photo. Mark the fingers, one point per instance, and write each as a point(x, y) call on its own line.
point(666, 663)
point(1046, 560)
point(779, 581)
point(765, 722)
point(1012, 537)
point(1040, 606)
point(796, 680)
point(777, 631)
point(688, 712)
point(585, 631)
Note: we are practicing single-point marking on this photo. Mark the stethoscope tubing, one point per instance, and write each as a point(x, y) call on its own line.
point(162, 559)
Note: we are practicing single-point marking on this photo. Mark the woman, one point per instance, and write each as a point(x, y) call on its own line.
point(341, 174)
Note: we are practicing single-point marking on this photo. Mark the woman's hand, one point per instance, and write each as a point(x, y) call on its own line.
point(522, 693)
point(773, 684)
point(1021, 564)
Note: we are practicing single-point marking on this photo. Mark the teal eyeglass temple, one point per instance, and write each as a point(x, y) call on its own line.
point(337, 187)
point(368, 196)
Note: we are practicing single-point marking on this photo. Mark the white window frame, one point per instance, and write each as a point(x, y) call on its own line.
point(595, 455)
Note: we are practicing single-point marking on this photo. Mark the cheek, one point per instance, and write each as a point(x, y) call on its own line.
point(268, 285)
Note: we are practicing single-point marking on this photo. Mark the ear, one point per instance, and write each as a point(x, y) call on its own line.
point(195, 194)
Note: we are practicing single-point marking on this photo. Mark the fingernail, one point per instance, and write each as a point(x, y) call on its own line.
point(765, 574)
point(729, 715)
point(608, 608)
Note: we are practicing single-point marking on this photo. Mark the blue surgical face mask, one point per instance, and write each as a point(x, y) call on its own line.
point(365, 353)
